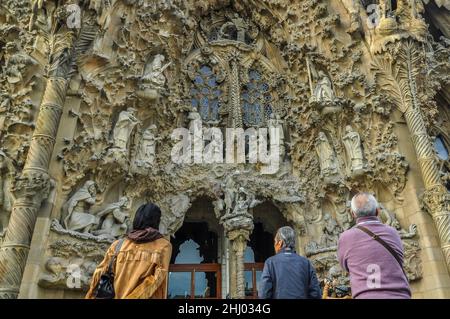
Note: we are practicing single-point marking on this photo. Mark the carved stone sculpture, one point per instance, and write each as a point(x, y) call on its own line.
point(327, 157)
point(6, 196)
point(230, 190)
point(323, 90)
point(331, 231)
point(153, 73)
point(353, 7)
point(352, 143)
point(56, 273)
point(152, 81)
point(147, 147)
point(239, 28)
point(17, 64)
point(276, 122)
point(390, 219)
point(124, 127)
point(114, 219)
point(173, 216)
point(232, 61)
point(79, 218)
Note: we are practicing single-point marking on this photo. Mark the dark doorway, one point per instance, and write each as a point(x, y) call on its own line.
point(195, 271)
point(267, 219)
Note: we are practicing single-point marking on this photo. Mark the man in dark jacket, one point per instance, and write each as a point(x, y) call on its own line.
point(288, 275)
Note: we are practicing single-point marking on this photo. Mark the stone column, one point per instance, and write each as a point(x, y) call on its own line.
point(235, 89)
point(239, 238)
point(232, 271)
point(30, 189)
point(436, 196)
point(33, 185)
point(403, 83)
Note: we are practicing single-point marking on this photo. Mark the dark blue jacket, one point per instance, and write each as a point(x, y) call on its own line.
point(289, 276)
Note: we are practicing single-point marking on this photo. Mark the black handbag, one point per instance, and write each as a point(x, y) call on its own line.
point(105, 286)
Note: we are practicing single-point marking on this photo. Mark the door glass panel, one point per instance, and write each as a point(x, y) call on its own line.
point(205, 284)
point(179, 285)
point(248, 276)
point(258, 280)
point(249, 255)
point(189, 253)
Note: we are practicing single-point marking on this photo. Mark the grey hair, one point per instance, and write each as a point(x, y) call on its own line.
point(287, 235)
point(364, 204)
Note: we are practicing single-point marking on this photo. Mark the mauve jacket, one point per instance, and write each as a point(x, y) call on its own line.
point(362, 256)
point(289, 276)
point(140, 271)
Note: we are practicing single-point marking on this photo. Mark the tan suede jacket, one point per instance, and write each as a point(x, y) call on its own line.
point(140, 270)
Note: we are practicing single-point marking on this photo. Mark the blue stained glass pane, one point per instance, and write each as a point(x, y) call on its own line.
point(205, 94)
point(264, 87)
point(440, 148)
point(255, 97)
point(214, 109)
point(198, 80)
point(204, 112)
point(205, 70)
point(212, 82)
point(204, 101)
point(254, 75)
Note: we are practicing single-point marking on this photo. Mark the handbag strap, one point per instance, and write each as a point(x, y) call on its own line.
point(384, 244)
point(116, 252)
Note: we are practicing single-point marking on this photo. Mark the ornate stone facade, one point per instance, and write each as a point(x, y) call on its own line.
point(91, 91)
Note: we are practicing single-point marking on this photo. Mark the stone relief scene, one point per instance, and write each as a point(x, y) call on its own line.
point(93, 90)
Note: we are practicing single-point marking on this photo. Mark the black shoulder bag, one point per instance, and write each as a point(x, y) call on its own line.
point(105, 286)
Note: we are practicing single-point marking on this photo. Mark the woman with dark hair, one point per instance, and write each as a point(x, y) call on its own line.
point(142, 259)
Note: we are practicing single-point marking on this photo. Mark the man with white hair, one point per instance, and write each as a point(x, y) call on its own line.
point(288, 275)
point(372, 253)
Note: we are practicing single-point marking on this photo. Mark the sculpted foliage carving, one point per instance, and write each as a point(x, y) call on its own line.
point(144, 68)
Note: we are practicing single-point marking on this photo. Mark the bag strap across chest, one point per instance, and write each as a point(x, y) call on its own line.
point(113, 259)
point(384, 244)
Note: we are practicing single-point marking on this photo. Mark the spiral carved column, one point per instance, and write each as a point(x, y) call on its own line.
point(436, 197)
point(30, 189)
point(239, 238)
point(235, 101)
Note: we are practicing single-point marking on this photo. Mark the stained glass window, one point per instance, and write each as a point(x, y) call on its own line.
point(256, 100)
point(440, 148)
point(205, 94)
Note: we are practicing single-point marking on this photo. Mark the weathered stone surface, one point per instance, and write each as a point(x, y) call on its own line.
point(92, 103)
